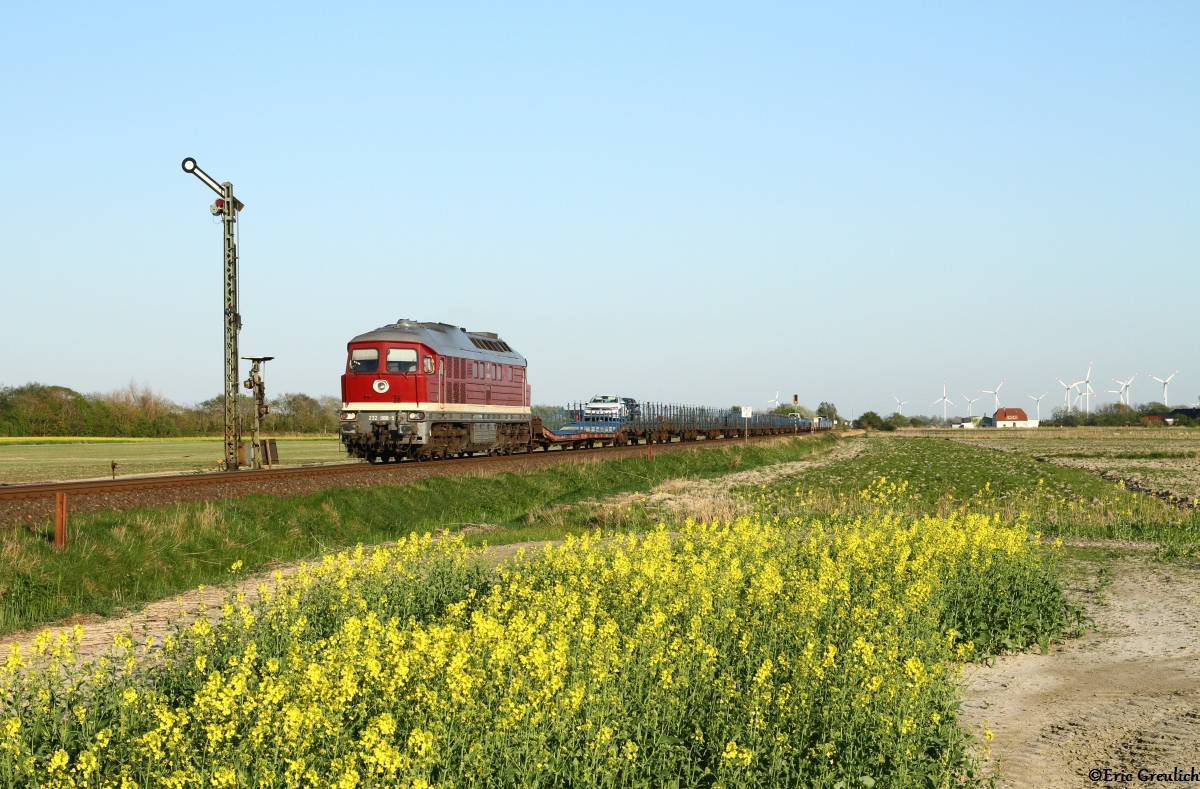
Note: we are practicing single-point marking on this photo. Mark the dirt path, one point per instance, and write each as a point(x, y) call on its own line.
point(702, 500)
point(1126, 697)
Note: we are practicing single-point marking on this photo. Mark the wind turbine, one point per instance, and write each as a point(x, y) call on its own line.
point(775, 400)
point(970, 403)
point(900, 404)
point(1087, 390)
point(1164, 382)
point(1123, 392)
point(1067, 389)
point(995, 393)
point(943, 400)
point(1038, 400)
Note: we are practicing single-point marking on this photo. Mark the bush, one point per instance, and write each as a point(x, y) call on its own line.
point(869, 421)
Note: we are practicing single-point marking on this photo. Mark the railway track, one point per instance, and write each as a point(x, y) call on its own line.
point(33, 503)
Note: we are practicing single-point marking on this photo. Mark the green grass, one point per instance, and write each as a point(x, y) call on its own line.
point(46, 459)
point(937, 476)
point(118, 559)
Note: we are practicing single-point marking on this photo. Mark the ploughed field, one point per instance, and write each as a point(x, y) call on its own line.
point(61, 459)
point(793, 614)
point(1163, 461)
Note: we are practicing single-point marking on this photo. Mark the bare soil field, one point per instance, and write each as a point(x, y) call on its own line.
point(1124, 697)
point(1164, 462)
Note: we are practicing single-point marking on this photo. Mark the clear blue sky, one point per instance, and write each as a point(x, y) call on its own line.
point(694, 202)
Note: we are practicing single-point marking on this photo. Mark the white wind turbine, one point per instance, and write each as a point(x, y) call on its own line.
point(1164, 382)
point(943, 400)
point(1087, 391)
point(995, 393)
point(900, 404)
point(1038, 400)
point(1124, 395)
point(970, 403)
point(776, 398)
point(1067, 389)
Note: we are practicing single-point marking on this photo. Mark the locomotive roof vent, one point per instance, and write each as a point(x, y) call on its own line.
point(490, 334)
point(491, 345)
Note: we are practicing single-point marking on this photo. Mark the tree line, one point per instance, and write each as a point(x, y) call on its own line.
point(139, 412)
point(1104, 415)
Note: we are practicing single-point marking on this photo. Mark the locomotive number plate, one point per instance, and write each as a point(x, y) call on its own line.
point(379, 417)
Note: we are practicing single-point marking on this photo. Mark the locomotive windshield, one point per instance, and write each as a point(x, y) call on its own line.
point(402, 360)
point(364, 360)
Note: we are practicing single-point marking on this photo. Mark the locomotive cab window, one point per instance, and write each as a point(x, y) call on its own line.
point(401, 360)
point(364, 360)
point(428, 365)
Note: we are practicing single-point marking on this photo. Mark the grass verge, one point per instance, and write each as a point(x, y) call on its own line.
point(119, 559)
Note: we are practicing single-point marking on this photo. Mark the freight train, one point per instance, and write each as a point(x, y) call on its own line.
point(428, 391)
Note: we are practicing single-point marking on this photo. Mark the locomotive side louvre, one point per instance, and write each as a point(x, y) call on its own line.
point(432, 390)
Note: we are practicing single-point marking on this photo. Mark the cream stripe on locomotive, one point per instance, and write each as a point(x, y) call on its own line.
point(435, 407)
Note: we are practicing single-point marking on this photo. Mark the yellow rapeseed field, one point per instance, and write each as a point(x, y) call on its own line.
point(755, 653)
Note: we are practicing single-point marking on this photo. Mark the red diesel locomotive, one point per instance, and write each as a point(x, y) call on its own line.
point(430, 391)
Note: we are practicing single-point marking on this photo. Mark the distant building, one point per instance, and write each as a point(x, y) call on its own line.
point(1009, 417)
point(1169, 417)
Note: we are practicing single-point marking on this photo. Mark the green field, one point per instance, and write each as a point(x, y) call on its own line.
point(59, 459)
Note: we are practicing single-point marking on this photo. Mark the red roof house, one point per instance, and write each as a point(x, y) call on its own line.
point(1010, 415)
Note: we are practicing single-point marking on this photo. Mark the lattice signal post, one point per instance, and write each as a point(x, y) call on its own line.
point(227, 206)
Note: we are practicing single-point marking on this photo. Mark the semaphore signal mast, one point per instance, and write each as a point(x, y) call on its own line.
point(227, 206)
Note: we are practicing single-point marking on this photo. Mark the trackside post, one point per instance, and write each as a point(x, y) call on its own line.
point(60, 520)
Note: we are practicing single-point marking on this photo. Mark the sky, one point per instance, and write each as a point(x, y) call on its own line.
point(696, 203)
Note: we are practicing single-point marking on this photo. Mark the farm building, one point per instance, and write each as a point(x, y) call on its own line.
point(1009, 417)
point(1169, 417)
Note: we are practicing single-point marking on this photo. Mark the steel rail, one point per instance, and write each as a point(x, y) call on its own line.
point(41, 490)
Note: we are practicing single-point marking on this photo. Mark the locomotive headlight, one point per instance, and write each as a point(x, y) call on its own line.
point(416, 416)
point(347, 415)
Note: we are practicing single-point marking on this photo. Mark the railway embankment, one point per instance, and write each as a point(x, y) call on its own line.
point(33, 504)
